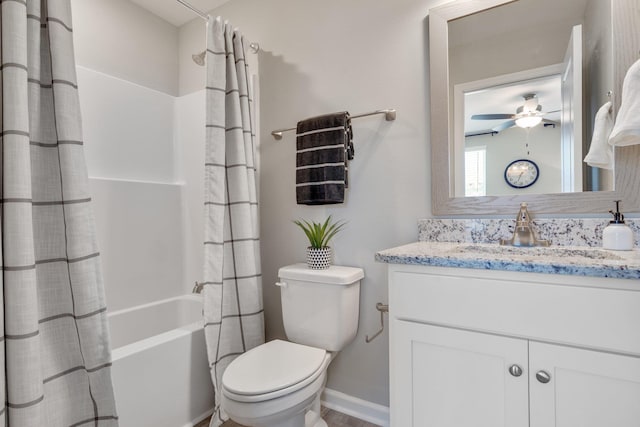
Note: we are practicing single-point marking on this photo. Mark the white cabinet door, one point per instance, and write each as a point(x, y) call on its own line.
point(444, 377)
point(586, 388)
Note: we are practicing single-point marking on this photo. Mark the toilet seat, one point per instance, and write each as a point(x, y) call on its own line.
point(272, 370)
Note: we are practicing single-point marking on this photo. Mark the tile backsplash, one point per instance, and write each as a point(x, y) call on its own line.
point(559, 231)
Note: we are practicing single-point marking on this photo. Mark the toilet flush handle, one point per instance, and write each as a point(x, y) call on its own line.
point(281, 284)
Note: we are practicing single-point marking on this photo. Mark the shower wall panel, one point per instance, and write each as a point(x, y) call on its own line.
point(129, 133)
point(128, 129)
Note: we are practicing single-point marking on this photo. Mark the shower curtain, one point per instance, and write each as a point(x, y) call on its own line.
point(55, 346)
point(232, 280)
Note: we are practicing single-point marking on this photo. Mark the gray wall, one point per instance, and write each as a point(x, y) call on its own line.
point(316, 57)
point(119, 38)
point(319, 57)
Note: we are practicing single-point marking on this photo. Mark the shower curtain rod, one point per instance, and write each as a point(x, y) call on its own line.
point(255, 47)
point(198, 12)
point(389, 115)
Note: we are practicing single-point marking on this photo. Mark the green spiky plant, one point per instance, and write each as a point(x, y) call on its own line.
point(319, 234)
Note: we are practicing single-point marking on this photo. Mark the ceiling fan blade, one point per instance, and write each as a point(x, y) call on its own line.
point(505, 125)
point(480, 132)
point(551, 122)
point(549, 112)
point(492, 116)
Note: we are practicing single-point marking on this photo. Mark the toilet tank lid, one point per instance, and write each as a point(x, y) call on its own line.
point(334, 275)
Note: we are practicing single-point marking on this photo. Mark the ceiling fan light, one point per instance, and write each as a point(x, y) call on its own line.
point(528, 121)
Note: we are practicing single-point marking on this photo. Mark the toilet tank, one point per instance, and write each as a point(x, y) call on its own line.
point(320, 308)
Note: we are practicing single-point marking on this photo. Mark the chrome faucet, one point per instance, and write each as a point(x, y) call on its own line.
point(197, 288)
point(523, 234)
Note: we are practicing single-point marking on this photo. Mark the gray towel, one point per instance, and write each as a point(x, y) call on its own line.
point(324, 147)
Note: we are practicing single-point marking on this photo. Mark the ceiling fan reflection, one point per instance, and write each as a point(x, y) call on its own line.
point(527, 115)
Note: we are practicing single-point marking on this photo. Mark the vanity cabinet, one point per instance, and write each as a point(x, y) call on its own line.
point(450, 377)
point(495, 348)
point(586, 388)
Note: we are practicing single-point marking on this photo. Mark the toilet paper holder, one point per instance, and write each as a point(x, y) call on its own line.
point(382, 308)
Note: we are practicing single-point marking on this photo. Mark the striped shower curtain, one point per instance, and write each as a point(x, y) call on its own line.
point(233, 287)
point(55, 344)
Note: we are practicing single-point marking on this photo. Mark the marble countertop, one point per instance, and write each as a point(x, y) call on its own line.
point(571, 260)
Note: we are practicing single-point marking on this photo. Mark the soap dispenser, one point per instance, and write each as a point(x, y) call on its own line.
point(617, 236)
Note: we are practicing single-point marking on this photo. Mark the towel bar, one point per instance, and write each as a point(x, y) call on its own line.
point(389, 115)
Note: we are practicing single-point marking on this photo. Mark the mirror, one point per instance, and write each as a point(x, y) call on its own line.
point(492, 62)
point(517, 95)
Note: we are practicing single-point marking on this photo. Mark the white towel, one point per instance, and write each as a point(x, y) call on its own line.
point(626, 131)
point(600, 151)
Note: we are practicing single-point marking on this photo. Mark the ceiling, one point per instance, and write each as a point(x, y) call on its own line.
point(175, 13)
point(507, 98)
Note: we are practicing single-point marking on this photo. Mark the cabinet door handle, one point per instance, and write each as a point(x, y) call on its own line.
point(515, 370)
point(543, 377)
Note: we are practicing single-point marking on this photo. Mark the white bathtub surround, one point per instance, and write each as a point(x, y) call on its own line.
point(56, 362)
point(170, 181)
point(160, 372)
point(142, 260)
point(233, 311)
point(129, 129)
point(559, 231)
point(151, 257)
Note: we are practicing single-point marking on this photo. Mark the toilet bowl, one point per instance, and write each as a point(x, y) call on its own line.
point(276, 384)
point(279, 383)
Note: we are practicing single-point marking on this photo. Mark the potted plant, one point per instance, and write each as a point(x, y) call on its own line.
point(319, 235)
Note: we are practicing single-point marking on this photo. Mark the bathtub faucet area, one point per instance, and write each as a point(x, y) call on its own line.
point(197, 288)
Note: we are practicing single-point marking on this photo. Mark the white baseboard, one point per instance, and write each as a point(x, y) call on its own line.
point(362, 409)
point(199, 418)
point(341, 402)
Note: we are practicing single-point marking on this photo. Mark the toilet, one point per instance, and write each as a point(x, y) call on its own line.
point(279, 383)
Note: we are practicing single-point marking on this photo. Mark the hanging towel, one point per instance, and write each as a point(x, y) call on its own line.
point(600, 151)
point(324, 147)
point(626, 131)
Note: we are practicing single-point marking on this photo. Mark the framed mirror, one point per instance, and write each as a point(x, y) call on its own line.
point(496, 68)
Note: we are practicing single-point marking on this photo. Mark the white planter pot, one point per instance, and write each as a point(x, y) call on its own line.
point(319, 258)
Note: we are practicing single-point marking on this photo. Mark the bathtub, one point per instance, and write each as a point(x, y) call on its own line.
point(160, 369)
